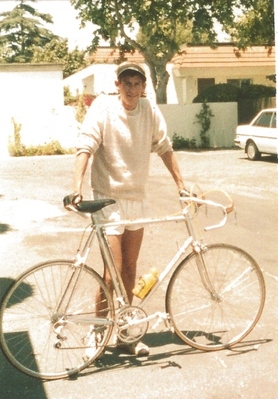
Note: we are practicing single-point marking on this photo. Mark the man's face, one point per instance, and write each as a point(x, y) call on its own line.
point(130, 89)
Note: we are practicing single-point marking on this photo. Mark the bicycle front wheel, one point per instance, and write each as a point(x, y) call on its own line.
point(50, 325)
point(215, 299)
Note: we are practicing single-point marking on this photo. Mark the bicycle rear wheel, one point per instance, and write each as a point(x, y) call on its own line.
point(217, 308)
point(49, 322)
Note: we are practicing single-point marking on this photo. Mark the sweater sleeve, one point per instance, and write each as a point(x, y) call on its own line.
point(161, 142)
point(90, 136)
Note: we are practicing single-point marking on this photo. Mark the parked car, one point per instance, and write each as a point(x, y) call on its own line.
point(260, 136)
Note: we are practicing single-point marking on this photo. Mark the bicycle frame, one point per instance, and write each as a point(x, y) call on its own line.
point(116, 279)
point(98, 228)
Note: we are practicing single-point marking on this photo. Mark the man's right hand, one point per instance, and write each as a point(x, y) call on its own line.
point(71, 200)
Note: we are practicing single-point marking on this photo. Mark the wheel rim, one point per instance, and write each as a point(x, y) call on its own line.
point(36, 338)
point(251, 151)
point(209, 322)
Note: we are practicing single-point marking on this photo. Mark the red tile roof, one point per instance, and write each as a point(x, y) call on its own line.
point(199, 56)
point(224, 56)
point(107, 55)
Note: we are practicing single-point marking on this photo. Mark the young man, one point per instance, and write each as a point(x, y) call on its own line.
point(120, 132)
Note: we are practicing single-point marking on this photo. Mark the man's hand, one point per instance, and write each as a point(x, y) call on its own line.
point(184, 193)
point(70, 201)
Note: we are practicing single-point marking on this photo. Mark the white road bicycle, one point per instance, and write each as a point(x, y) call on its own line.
point(58, 316)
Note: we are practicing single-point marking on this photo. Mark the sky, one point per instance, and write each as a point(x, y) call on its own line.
point(64, 17)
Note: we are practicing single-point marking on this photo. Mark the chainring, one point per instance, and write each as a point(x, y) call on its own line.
point(129, 328)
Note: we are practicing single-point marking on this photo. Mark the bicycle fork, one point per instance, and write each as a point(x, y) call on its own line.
point(199, 250)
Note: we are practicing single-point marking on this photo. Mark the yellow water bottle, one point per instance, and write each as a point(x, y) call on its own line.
point(145, 283)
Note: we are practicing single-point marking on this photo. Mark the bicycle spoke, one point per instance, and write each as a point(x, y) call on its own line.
point(217, 307)
point(46, 316)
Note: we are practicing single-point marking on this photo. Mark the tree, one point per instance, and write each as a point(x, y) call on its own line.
point(255, 26)
point(57, 51)
point(23, 39)
point(159, 23)
point(21, 30)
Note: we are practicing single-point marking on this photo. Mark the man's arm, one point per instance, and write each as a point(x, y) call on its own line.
point(171, 164)
point(81, 164)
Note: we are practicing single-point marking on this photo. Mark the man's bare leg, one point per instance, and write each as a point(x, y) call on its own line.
point(125, 249)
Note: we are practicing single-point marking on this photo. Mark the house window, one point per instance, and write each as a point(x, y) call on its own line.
point(205, 83)
point(239, 82)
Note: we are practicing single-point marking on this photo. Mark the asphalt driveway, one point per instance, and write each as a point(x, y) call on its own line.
point(35, 227)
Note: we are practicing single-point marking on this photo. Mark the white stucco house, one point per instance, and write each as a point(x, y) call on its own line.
point(31, 86)
point(32, 96)
point(191, 71)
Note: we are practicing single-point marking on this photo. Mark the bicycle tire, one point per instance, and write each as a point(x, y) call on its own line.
point(213, 321)
point(40, 340)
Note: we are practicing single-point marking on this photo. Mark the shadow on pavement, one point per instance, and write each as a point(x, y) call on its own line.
point(4, 228)
point(13, 383)
point(113, 359)
point(16, 385)
point(5, 283)
point(22, 292)
point(264, 158)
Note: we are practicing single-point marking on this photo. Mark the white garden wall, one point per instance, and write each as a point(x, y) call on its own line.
point(61, 125)
point(181, 119)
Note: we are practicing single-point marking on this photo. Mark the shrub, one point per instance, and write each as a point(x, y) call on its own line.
point(219, 93)
point(257, 91)
point(17, 149)
point(80, 103)
point(51, 148)
point(68, 97)
point(204, 119)
point(226, 92)
point(180, 143)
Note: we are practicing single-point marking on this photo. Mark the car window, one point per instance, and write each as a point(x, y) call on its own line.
point(264, 119)
point(273, 123)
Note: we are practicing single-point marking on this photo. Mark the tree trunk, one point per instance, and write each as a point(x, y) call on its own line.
point(160, 77)
point(161, 88)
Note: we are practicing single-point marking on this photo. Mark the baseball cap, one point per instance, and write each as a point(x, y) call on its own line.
point(130, 66)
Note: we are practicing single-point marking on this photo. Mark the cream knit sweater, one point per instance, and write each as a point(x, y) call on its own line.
point(121, 142)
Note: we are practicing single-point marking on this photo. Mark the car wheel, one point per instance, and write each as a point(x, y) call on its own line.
point(252, 151)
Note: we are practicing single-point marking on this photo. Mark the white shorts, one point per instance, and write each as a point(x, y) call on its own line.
point(121, 210)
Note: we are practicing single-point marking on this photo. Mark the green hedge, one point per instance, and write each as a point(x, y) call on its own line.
point(226, 92)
